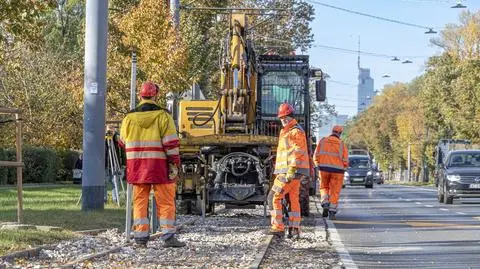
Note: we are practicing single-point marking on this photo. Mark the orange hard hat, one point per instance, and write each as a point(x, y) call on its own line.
point(149, 89)
point(337, 129)
point(285, 109)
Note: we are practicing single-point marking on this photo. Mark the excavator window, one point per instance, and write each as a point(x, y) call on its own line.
point(278, 87)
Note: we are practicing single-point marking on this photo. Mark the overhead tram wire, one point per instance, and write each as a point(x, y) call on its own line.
point(341, 83)
point(369, 15)
point(351, 51)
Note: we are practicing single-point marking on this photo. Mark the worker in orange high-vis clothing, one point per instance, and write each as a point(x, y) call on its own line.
point(331, 158)
point(150, 139)
point(292, 163)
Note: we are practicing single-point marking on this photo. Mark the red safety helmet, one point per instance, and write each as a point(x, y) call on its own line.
point(285, 109)
point(337, 129)
point(149, 89)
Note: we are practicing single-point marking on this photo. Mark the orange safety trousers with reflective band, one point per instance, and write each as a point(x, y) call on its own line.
point(292, 150)
point(330, 187)
point(280, 188)
point(331, 154)
point(165, 200)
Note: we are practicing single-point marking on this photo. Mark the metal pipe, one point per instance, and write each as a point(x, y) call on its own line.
point(175, 13)
point(128, 203)
point(232, 8)
point(19, 168)
point(133, 81)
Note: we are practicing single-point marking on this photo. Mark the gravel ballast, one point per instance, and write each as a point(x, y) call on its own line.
point(231, 239)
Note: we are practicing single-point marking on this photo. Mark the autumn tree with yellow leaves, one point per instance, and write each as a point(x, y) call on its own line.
point(442, 103)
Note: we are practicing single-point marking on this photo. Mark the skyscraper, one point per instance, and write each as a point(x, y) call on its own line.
point(365, 88)
point(365, 85)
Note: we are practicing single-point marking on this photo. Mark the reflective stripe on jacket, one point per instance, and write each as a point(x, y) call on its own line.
point(150, 139)
point(331, 155)
point(292, 150)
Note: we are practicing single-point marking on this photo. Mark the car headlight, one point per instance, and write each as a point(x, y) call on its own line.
point(346, 174)
point(369, 173)
point(377, 174)
point(453, 177)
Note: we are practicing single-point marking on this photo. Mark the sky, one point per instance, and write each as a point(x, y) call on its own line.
point(337, 28)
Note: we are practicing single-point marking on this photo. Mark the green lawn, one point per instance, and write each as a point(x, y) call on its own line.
point(16, 240)
point(52, 206)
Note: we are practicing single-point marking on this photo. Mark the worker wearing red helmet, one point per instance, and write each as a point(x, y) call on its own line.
point(331, 158)
point(150, 139)
point(292, 164)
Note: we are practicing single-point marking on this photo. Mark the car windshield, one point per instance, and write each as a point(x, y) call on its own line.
point(464, 159)
point(359, 163)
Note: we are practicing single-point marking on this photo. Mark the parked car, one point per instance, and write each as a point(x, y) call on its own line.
point(359, 172)
point(459, 176)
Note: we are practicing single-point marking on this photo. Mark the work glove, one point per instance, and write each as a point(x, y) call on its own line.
point(172, 171)
point(291, 173)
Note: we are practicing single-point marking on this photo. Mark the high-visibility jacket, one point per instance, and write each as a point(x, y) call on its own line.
point(150, 139)
point(331, 155)
point(292, 150)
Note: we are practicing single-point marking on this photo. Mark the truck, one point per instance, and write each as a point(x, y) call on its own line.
point(228, 145)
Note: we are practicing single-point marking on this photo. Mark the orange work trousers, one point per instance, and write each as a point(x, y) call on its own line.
point(280, 188)
point(330, 187)
point(165, 201)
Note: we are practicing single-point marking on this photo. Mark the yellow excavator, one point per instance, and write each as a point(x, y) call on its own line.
point(228, 145)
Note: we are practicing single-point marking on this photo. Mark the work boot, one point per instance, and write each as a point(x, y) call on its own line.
point(141, 242)
point(325, 207)
point(331, 215)
point(279, 234)
point(172, 242)
point(293, 233)
point(325, 212)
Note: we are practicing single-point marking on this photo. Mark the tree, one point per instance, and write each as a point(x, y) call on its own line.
point(22, 20)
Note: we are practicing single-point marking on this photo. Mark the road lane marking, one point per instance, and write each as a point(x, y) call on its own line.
point(421, 188)
point(429, 205)
point(444, 209)
point(461, 213)
point(347, 260)
point(411, 223)
point(417, 203)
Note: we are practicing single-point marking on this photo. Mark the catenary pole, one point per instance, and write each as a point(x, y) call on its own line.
point(93, 182)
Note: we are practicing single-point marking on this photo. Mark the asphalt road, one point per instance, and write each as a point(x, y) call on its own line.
point(392, 226)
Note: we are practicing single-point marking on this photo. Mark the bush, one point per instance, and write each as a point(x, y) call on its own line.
point(42, 165)
point(3, 170)
point(67, 159)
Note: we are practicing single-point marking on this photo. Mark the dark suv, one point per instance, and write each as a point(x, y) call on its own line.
point(359, 171)
point(459, 176)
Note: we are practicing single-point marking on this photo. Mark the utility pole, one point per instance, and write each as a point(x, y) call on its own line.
point(95, 82)
point(175, 12)
point(409, 161)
